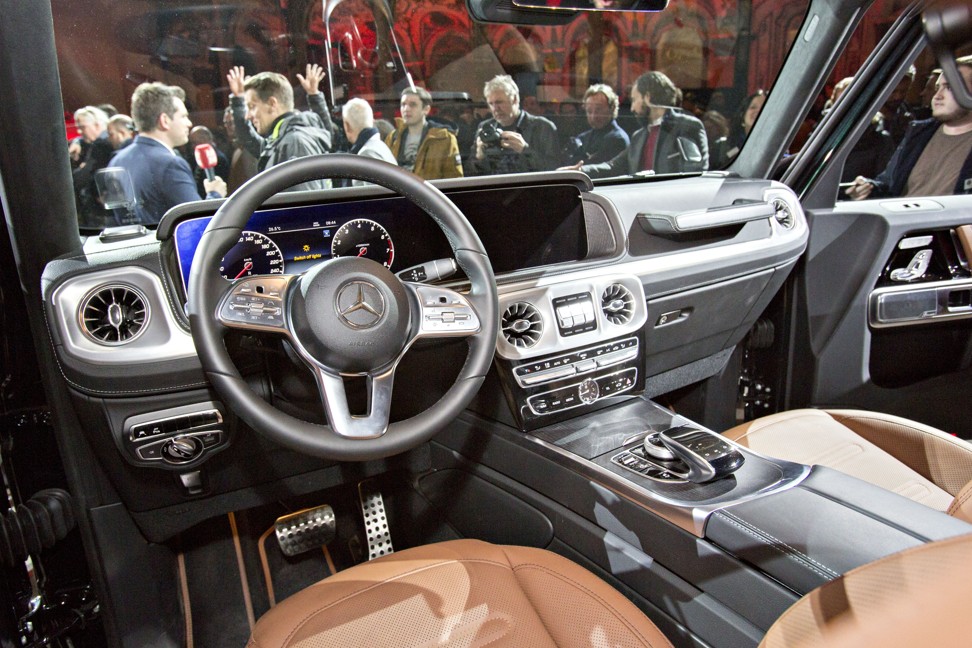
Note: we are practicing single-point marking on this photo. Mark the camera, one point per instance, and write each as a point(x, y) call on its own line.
point(573, 150)
point(491, 133)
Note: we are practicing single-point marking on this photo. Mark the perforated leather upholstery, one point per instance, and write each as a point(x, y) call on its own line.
point(905, 457)
point(459, 593)
point(471, 593)
point(918, 597)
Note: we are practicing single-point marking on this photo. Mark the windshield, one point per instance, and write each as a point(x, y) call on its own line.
point(172, 101)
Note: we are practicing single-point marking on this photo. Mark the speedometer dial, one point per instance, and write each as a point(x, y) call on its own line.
point(363, 237)
point(254, 254)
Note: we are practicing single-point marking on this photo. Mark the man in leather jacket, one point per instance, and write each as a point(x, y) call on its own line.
point(671, 141)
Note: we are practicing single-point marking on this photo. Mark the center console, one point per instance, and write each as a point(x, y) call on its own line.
point(569, 348)
point(800, 525)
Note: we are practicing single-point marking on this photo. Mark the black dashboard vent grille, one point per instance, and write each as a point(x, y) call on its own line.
point(522, 325)
point(114, 314)
point(617, 304)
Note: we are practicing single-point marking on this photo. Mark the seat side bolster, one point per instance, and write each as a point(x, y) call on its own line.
point(941, 458)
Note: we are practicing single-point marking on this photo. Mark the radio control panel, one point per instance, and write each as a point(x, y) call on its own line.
point(551, 388)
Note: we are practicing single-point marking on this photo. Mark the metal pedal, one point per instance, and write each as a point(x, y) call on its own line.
point(376, 522)
point(305, 530)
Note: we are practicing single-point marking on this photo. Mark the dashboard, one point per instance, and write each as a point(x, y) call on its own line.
point(593, 309)
point(521, 228)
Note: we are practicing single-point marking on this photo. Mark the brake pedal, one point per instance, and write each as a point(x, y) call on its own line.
point(376, 522)
point(305, 530)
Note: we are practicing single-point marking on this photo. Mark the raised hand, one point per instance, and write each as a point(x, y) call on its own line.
point(311, 83)
point(236, 78)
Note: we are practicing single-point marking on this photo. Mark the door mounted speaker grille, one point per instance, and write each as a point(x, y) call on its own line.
point(522, 325)
point(617, 304)
point(114, 314)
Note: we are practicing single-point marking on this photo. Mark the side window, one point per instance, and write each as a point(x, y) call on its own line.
point(918, 144)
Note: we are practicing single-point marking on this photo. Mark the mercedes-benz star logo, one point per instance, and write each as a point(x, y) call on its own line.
point(360, 305)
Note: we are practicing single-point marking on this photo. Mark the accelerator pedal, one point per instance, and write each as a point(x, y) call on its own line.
point(375, 520)
point(304, 530)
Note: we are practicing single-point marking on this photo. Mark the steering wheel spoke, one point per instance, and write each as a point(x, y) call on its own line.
point(256, 304)
point(345, 316)
point(441, 312)
point(367, 426)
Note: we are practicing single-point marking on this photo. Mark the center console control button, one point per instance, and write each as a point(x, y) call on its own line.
point(578, 362)
point(582, 393)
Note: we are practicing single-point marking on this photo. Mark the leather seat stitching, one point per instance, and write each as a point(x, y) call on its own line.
point(620, 617)
point(959, 501)
point(797, 556)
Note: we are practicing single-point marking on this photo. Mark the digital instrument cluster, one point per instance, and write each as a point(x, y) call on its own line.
point(520, 228)
point(291, 240)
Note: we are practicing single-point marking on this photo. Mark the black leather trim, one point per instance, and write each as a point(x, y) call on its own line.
point(826, 526)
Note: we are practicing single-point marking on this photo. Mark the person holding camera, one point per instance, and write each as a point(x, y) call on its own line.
point(606, 138)
point(512, 141)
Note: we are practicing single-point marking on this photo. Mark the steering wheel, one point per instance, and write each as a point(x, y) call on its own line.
point(346, 316)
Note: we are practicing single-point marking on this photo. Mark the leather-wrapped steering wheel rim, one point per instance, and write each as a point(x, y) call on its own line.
point(207, 287)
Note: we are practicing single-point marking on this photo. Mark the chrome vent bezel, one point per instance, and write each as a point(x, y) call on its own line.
point(625, 312)
point(784, 213)
point(526, 312)
point(94, 314)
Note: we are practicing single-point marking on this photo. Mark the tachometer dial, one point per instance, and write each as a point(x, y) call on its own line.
point(362, 237)
point(254, 254)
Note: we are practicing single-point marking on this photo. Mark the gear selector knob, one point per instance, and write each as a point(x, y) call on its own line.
point(707, 456)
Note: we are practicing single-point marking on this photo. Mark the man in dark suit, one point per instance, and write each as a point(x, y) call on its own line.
point(606, 138)
point(161, 178)
point(671, 141)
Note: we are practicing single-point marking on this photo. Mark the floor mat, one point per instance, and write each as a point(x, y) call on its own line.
point(234, 571)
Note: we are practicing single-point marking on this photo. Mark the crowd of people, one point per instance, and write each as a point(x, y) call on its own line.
point(897, 156)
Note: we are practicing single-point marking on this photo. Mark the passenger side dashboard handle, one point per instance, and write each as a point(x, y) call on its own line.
point(668, 223)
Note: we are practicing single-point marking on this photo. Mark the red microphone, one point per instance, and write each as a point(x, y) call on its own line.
point(206, 159)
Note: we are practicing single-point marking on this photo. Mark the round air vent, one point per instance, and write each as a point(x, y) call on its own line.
point(521, 325)
point(114, 314)
point(617, 304)
point(784, 213)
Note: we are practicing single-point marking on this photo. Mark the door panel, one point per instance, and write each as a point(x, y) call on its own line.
point(883, 302)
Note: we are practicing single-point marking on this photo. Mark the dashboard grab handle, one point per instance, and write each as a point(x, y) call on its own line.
point(693, 221)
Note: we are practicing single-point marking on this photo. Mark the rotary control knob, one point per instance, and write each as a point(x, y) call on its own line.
point(181, 450)
point(588, 391)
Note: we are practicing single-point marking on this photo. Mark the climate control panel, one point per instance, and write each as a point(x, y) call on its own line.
point(552, 388)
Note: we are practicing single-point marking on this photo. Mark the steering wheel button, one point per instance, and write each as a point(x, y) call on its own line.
point(448, 317)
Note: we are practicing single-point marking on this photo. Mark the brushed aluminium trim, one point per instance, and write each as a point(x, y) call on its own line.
point(160, 339)
point(689, 517)
point(939, 289)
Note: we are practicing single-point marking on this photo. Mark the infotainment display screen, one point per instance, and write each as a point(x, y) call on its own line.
point(520, 227)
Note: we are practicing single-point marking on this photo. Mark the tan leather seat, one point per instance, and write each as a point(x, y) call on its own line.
point(459, 593)
point(471, 593)
point(914, 460)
